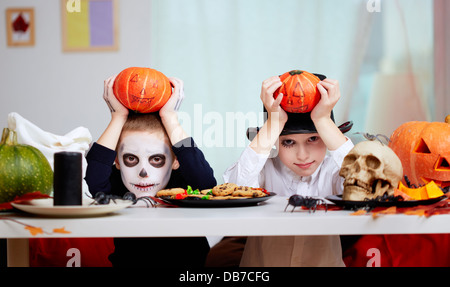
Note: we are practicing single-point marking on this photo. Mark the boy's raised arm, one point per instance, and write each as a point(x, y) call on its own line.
point(277, 117)
point(320, 115)
point(169, 113)
point(119, 115)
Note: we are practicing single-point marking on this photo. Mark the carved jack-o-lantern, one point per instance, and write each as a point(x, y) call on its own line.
point(424, 149)
point(300, 91)
point(142, 90)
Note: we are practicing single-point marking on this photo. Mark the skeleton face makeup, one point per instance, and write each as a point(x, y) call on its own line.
point(145, 163)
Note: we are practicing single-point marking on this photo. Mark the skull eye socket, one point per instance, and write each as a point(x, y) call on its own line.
point(373, 162)
point(349, 159)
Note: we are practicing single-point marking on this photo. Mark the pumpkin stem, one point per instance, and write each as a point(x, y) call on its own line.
point(447, 119)
point(9, 137)
point(295, 72)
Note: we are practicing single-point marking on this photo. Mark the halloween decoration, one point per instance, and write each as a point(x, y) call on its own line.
point(300, 91)
point(424, 150)
point(23, 169)
point(370, 169)
point(20, 24)
point(430, 190)
point(102, 198)
point(306, 201)
point(67, 178)
point(142, 90)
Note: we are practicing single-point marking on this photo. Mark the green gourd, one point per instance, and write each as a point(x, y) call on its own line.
point(23, 169)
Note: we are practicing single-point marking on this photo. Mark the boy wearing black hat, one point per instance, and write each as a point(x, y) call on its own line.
point(301, 166)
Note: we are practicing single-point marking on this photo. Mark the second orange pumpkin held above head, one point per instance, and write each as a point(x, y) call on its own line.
point(300, 91)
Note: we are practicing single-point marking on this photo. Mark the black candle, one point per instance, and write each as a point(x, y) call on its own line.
point(67, 178)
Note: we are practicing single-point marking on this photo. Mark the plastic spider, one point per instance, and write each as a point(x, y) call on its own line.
point(103, 198)
point(371, 137)
point(306, 201)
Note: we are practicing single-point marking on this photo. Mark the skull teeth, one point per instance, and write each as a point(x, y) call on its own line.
point(358, 183)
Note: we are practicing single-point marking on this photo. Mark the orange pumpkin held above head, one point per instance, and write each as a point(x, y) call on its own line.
point(424, 150)
point(300, 91)
point(142, 90)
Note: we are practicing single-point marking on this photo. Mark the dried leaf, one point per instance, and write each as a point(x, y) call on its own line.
point(61, 230)
point(359, 212)
point(34, 230)
point(419, 212)
point(25, 197)
point(389, 210)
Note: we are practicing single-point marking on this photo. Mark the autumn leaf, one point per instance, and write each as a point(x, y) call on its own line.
point(61, 230)
point(22, 198)
point(419, 212)
point(359, 212)
point(390, 210)
point(34, 230)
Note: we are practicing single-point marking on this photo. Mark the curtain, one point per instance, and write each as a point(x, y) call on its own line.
point(403, 85)
point(224, 49)
point(442, 58)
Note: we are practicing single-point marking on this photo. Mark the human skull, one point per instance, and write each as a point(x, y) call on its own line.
point(370, 169)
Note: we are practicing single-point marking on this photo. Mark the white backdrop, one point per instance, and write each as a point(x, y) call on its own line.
point(223, 50)
point(61, 91)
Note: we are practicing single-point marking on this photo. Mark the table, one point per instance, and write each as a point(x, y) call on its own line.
point(266, 219)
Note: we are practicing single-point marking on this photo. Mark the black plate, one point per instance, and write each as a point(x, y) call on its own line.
point(350, 204)
point(197, 202)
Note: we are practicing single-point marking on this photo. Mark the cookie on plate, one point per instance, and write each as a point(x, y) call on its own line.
point(246, 191)
point(223, 197)
point(223, 189)
point(170, 192)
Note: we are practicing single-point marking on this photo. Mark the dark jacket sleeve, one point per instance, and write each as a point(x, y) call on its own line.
point(194, 169)
point(99, 160)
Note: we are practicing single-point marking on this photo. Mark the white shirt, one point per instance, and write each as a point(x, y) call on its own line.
point(260, 170)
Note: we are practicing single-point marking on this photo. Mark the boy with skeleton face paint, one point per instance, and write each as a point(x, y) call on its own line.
point(144, 153)
point(144, 158)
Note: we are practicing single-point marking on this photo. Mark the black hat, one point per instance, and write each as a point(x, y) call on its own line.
point(300, 123)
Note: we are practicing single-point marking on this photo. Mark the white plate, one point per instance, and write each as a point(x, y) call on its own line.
point(45, 206)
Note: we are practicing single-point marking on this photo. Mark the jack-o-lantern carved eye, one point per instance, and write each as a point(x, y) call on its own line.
point(422, 147)
point(442, 164)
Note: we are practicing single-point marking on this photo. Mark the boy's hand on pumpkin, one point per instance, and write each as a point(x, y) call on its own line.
point(173, 104)
point(271, 104)
point(116, 108)
point(330, 94)
point(169, 113)
point(321, 114)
